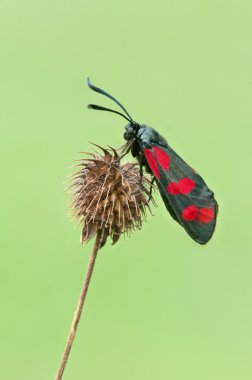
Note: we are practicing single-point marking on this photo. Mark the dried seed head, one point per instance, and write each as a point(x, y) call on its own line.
point(108, 197)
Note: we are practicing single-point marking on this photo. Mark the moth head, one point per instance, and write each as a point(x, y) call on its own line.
point(131, 130)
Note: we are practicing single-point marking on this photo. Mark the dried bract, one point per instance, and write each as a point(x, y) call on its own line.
point(109, 197)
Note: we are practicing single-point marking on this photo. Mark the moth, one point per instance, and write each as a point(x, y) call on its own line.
point(184, 192)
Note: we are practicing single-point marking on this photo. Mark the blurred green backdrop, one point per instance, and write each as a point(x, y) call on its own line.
point(159, 306)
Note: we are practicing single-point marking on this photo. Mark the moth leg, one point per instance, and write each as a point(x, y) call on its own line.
point(141, 172)
point(142, 163)
point(127, 149)
point(151, 188)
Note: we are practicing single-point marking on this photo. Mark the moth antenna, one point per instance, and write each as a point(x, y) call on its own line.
point(100, 91)
point(100, 108)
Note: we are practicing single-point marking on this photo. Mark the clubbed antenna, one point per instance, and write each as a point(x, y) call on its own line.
point(100, 91)
point(100, 108)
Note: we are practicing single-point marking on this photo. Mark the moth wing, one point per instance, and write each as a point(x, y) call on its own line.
point(184, 192)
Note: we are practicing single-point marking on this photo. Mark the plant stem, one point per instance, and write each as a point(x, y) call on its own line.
point(79, 308)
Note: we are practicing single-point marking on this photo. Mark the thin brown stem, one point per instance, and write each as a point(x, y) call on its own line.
point(79, 308)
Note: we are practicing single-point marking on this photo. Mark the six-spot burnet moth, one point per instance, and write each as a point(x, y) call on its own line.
point(185, 194)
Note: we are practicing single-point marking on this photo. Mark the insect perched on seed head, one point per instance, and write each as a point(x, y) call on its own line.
point(185, 194)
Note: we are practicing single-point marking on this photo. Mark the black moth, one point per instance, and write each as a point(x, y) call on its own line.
point(185, 194)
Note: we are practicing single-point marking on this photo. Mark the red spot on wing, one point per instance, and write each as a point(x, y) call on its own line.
point(157, 157)
point(162, 157)
point(186, 185)
point(183, 186)
point(206, 214)
point(173, 188)
point(152, 161)
point(190, 213)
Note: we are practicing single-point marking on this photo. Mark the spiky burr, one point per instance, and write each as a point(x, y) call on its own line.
point(109, 197)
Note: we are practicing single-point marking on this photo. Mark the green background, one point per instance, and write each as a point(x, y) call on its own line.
point(159, 306)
